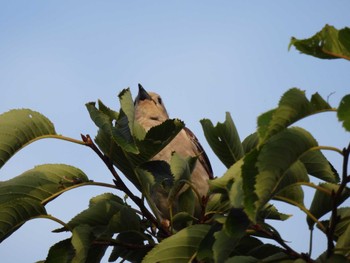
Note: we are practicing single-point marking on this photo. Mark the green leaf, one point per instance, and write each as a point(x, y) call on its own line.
point(288, 186)
point(127, 106)
point(41, 182)
point(292, 107)
point(236, 193)
point(343, 221)
point(14, 213)
point(271, 212)
point(343, 242)
point(249, 174)
point(228, 238)
point(329, 43)
point(124, 220)
point(335, 258)
point(344, 112)
point(19, 128)
point(81, 241)
point(129, 246)
point(222, 247)
point(322, 202)
point(251, 142)
point(124, 126)
point(62, 252)
point(23, 197)
point(180, 247)
point(242, 259)
point(318, 166)
point(101, 211)
point(156, 139)
point(224, 140)
point(277, 155)
point(205, 251)
point(102, 116)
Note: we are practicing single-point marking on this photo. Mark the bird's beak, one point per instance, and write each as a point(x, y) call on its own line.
point(143, 95)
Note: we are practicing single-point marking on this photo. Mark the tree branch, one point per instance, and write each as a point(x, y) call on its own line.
point(121, 185)
point(335, 200)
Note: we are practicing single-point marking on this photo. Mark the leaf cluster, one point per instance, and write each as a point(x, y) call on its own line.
point(272, 164)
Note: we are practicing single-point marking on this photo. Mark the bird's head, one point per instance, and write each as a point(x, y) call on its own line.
point(149, 105)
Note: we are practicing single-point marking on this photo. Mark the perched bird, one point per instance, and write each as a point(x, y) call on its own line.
point(149, 112)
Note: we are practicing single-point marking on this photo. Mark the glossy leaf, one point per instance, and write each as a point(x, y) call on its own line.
point(329, 43)
point(19, 128)
point(344, 112)
point(224, 140)
point(180, 247)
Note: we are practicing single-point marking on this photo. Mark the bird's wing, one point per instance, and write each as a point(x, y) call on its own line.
point(202, 156)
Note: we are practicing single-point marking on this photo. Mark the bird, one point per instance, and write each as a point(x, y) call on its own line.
point(149, 112)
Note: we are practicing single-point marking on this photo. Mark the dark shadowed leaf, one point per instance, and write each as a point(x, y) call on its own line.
point(19, 128)
point(329, 43)
point(62, 252)
point(224, 140)
point(249, 174)
point(129, 246)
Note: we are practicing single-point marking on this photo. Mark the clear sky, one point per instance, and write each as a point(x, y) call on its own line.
point(203, 57)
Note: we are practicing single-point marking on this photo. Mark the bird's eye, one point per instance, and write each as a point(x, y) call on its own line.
point(159, 100)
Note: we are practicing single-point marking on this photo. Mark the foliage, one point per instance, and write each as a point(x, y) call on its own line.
point(329, 43)
point(269, 165)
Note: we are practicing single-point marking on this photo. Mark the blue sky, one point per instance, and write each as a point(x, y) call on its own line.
point(204, 58)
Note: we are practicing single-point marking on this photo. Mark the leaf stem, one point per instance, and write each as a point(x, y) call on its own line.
point(50, 198)
point(317, 187)
point(327, 148)
point(302, 208)
point(56, 220)
point(56, 136)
